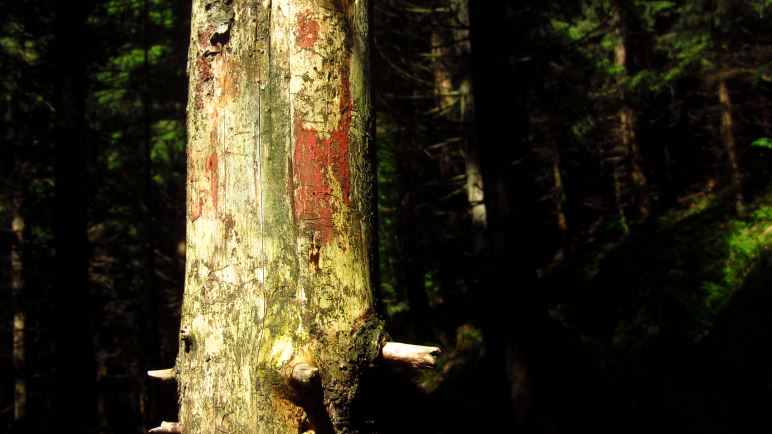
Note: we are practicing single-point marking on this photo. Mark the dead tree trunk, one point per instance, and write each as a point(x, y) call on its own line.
point(278, 313)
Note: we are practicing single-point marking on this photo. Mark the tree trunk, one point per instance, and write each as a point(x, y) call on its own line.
point(559, 200)
point(278, 304)
point(619, 199)
point(727, 136)
point(474, 180)
point(75, 365)
point(508, 303)
point(628, 125)
point(19, 318)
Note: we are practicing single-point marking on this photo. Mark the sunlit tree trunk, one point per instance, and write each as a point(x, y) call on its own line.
point(727, 135)
point(474, 179)
point(475, 193)
point(278, 305)
point(451, 57)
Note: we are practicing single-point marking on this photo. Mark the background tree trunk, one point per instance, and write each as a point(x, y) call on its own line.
point(19, 318)
point(628, 120)
point(75, 365)
point(280, 239)
point(727, 136)
point(510, 306)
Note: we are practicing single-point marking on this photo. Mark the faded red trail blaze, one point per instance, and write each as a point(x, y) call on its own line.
point(211, 168)
point(317, 160)
point(308, 30)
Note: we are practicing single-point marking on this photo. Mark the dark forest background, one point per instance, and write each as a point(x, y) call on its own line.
point(575, 203)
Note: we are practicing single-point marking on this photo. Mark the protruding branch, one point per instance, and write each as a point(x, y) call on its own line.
point(417, 356)
point(168, 427)
point(163, 374)
point(304, 374)
point(187, 338)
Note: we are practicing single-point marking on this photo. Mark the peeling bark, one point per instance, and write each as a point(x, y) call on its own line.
point(280, 238)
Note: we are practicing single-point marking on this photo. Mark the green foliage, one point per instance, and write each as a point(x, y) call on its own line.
point(762, 142)
point(673, 280)
point(653, 7)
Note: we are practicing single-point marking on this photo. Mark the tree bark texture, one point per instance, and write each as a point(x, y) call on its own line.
point(280, 215)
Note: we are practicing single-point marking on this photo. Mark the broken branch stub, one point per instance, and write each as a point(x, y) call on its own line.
point(418, 356)
point(163, 374)
point(304, 374)
point(167, 427)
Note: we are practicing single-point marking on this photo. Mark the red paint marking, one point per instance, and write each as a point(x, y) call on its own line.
point(316, 160)
point(308, 30)
point(312, 194)
point(211, 167)
point(193, 214)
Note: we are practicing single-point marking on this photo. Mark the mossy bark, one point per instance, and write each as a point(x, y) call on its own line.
point(280, 239)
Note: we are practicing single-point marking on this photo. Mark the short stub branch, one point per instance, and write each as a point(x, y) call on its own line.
point(418, 356)
point(187, 338)
point(168, 427)
point(163, 374)
point(304, 375)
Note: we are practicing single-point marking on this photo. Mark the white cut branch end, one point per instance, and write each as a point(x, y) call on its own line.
point(168, 427)
point(418, 356)
point(162, 374)
point(303, 373)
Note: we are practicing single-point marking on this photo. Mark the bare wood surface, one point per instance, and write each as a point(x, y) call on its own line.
point(418, 356)
point(162, 374)
point(304, 373)
point(168, 427)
